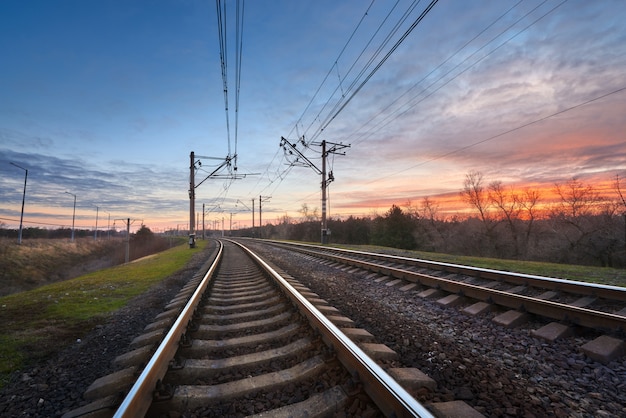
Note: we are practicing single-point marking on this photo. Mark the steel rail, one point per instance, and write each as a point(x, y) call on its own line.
point(615, 293)
point(139, 398)
point(389, 396)
point(554, 310)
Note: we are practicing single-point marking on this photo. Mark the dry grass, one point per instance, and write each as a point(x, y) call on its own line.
point(42, 261)
point(36, 323)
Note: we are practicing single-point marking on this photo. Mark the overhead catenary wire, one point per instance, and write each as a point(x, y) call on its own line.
point(230, 161)
point(331, 68)
point(457, 71)
point(340, 105)
point(378, 65)
point(238, 54)
point(373, 56)
point(221, 32)
point(436, 68)
point(222, 29)
point(414, 101)
point(501, 134)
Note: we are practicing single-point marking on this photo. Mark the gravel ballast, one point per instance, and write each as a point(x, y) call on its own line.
point(56, 386)
point(500, 372)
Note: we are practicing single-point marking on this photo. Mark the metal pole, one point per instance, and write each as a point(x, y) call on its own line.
point(192, 200)
point(19, 237)
point(260, 218)
point(73, 215)
point(324, 230)
point(253, 217)
point(95, 233)
point(128, 240)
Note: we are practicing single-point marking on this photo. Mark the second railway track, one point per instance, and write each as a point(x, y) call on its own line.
point(580, 304)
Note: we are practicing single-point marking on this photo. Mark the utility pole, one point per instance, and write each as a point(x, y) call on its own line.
point(262, 199)
point(303, 161)
point(127, 222)
point(192, 200)
point(95, 233)
point(127, 240)
point(19, 237)
point(324, 184)
point(73, 214)
point(226, 163)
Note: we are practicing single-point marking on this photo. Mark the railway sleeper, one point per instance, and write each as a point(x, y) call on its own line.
point(192, 397)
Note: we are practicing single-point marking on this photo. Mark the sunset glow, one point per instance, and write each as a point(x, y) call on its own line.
point(531, 95)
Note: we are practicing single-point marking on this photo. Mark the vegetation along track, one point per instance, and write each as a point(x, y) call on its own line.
point(571, 303)
point(247, 341)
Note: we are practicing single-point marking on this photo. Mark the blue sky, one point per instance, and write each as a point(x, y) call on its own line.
point(107, 99)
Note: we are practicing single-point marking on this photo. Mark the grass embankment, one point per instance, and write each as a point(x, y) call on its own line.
point(39, 262)
point(36, 323)
point(601, 275)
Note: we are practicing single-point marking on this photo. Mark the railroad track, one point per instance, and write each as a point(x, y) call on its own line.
point(244, 340)
point(569, 303)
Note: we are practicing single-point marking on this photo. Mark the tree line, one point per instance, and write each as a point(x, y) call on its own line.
point(580, 226)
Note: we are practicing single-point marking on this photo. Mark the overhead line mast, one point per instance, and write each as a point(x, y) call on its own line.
point(194, 164)
point(302, 161)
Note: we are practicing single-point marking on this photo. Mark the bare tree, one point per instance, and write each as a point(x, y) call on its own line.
point(576, 198)
point(507, 203)
point(528, 203)
point(475, 194)
point(429, 210)
point(432, 223)
point(585, 221)
point(307, 215)
point(622, 202)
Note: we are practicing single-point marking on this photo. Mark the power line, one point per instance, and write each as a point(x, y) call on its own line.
point(415, 85)
point(343, 103)
point(491, 138)
point(221, 32)
point(331, 68)
point(239, 52)
point(222, 38)
point(412, 102)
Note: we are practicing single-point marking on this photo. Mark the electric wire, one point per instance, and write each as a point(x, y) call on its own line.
point(371, 60)
point(419, 82)
point(221, 31)
point(508, 131)
point(331, 68)
point(356, 60)
point(378, 66)
point(238, 55)
point(412, 103)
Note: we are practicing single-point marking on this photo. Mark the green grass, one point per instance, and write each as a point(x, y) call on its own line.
point(36, 323)
point(601, 275)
